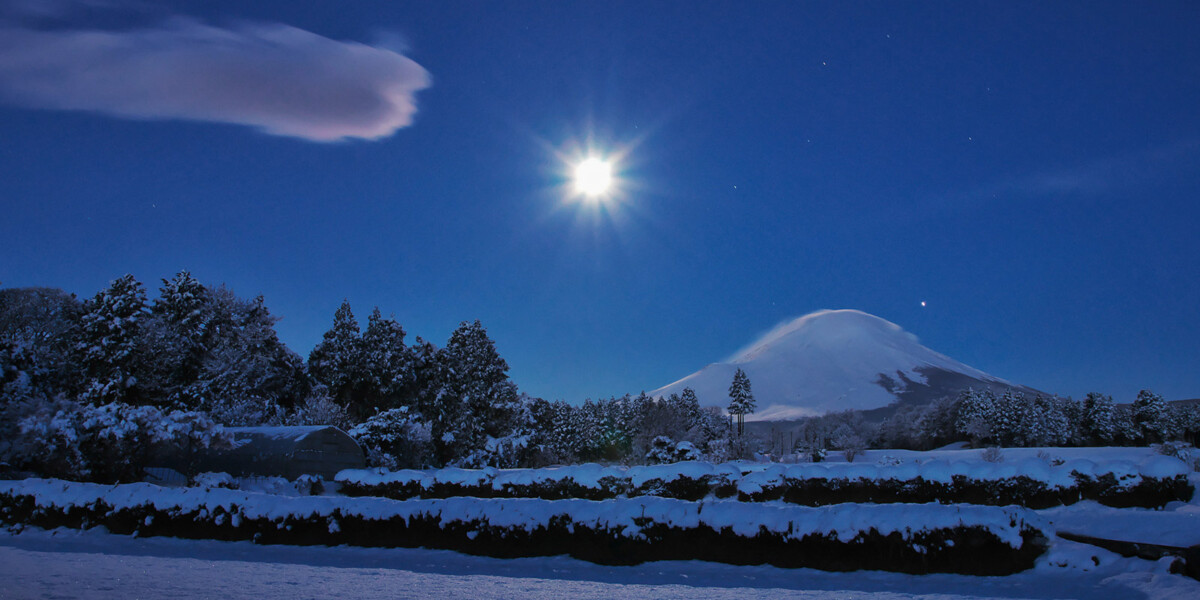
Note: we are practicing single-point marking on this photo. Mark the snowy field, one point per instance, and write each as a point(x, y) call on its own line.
point(65, 564)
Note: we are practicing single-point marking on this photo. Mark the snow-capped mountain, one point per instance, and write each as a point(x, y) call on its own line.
point(835, 360)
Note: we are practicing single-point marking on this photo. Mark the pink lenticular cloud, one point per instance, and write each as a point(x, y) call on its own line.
point(280, 79)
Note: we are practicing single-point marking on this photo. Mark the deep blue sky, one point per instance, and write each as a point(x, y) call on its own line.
point(1030, 170)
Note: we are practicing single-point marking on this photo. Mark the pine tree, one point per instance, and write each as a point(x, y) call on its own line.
point(691, 406)
point(428, 384)
point(588, 422)
point(1097, 416)
point(1186, 422)
point(182, 303)
point(975, 415)
point(1008, 414)
point(1043, 423)
point(477, 400)
point(1149, 415)
point(38, 331)
point(177, 334)
point(562, 438)
point(1126, 430)
point(387, 364)
point(741, 400)
point(109, 345)
point(248, 376)
point(936, 424)
point(336, 360)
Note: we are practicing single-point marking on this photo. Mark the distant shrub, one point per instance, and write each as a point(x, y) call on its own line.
point(1053, 461)
point(992, 455)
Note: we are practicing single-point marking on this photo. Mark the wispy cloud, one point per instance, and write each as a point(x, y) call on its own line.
point(1098, 176)
point(57, 9)
point(1083, 182)
point(280, 79)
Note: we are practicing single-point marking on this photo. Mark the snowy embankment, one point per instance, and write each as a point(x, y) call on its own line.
point(898, 537)
point(1032, 482)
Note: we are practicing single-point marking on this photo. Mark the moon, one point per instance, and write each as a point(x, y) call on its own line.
point(593, 177)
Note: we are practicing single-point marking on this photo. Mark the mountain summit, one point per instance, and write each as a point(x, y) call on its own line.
point(834, 360)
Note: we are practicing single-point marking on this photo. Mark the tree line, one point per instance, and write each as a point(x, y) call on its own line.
point(984, 418)
point(78, 378)
point(74, 370)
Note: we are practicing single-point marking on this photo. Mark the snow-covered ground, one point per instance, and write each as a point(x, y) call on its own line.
point(65, 564)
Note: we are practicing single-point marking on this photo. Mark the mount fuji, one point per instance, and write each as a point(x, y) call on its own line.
point(834, 360)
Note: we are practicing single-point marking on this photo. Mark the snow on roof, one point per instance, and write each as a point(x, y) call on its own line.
point(281, 432)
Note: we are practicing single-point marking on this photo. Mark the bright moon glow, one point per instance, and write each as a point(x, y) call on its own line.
point(593, 177)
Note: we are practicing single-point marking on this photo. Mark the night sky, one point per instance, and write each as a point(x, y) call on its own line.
point(1028, 170)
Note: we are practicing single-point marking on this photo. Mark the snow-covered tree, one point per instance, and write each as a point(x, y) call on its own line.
point(182, 302)
point(388, 368)
point(477, 399)
point(336, 361)
point(1009, 417)
point(1043, 423)
point(812, 439)
point(1126, 430)
point(563, 438)
point(177, 338)
point(673, 417)
point(534, 420)
point(395, 439)
point(938, 421)
point(1149, 415)
point(975, 415)
point(604, 429)
point(38, 327)
point(849, 441)
point(248, 376)
point(1096, 415)
point(715, 433)
point(741, 399)
point(109, 344)
point(111, 442)
point(318, 408)
point(37, 330)
point(690, 405)
point(1185, 421)
point(903, 429)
